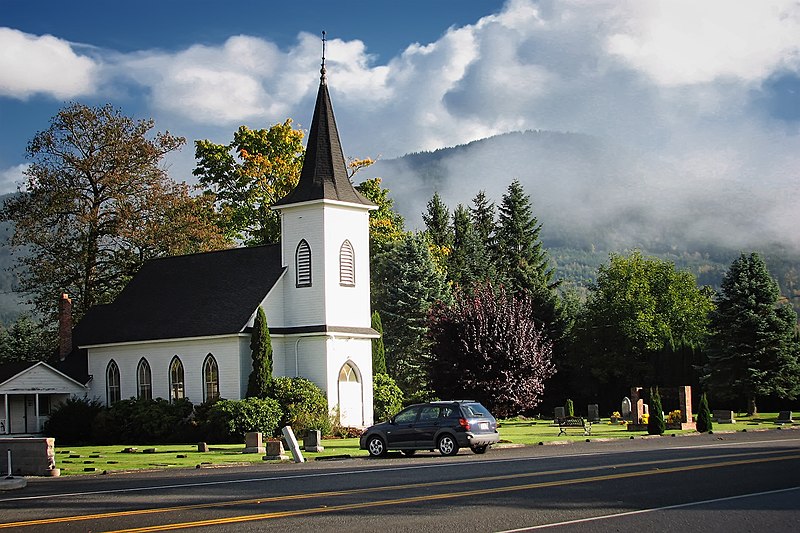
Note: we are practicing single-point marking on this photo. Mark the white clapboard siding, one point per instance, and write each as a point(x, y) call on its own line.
point(43, 379)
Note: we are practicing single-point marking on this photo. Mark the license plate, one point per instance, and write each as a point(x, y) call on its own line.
point(483, 425)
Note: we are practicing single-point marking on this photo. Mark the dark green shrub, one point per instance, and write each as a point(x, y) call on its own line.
point(304, 405)
point(656, 424)
point(71, 422)
point(229, 420)
point(140, 421)
point(387, 398)
point(704, 423)
point(569, 408)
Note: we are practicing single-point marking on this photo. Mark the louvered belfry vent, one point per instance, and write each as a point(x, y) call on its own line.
point(303, 260)
point(347, 267)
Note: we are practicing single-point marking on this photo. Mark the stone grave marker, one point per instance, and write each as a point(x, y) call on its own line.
point(723, 416)
point(559, 412)
point(784, 417)
point(593, 411)
point(312, 442)
point(253, 443)
point(625, 409)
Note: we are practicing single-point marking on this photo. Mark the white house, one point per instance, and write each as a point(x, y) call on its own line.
point(181, 327)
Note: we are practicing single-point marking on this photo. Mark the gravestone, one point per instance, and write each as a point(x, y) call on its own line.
point(625, 409)
point(723, 417)
point(202, 446)
point(559, 413)
point(253, 443)
point(312, 442)
point(593, 411)
point(274, 451)
point(288, 434)
point(784, 417)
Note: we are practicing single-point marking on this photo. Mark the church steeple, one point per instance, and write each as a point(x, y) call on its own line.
point(324, 173)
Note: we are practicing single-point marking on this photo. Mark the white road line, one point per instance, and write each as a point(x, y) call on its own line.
point(372, 470)
point(643, 511)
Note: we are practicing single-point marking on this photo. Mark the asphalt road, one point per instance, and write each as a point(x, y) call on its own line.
point(723, 482)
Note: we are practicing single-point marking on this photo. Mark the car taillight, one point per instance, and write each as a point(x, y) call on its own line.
point(463, 423)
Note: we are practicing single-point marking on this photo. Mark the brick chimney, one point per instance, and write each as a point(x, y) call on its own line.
point(64, 326)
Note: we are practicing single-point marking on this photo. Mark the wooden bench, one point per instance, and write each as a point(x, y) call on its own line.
point(573, 422)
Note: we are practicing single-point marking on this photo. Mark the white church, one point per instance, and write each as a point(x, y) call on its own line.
point(181, 327)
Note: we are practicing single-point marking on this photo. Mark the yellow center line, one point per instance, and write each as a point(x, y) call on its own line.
point(348, 492)
point(443, 496)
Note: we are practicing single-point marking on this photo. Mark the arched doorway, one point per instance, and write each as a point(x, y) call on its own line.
point(351, 403)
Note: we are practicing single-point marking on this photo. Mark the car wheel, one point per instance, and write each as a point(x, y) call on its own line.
point(376, 446)
point(447, 445)
point(409, 453)
point(479, 449)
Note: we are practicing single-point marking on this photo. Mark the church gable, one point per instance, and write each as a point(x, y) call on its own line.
point(42, 378)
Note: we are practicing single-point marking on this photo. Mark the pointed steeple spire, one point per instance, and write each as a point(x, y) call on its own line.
point(324, 173)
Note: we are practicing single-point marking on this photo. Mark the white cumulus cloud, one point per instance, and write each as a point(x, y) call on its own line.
point(31, 64)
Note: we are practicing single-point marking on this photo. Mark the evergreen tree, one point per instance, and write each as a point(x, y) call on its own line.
point(469, 262)
point(483, 219)
point(704, 422)
point(569, 408)
point(754, 348)
point(258, 385)
point(438, 230)
point(407, 285)
point(523, 260)
point(656, 425)
point(378, 348)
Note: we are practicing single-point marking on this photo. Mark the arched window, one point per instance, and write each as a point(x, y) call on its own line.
point(348, 373)
point(144, 382)
point(176, 390)
point(347, 265)
point(210, 379)
point(113, 393)
point(303, 264)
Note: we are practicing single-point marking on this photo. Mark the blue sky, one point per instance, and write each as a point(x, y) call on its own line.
point(710, 89)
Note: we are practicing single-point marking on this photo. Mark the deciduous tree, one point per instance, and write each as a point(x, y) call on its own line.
point(487, 346)
point(248, 175)
point(97, 203)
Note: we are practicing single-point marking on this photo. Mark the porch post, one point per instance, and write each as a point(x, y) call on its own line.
point(36, 413)
point(7, 429)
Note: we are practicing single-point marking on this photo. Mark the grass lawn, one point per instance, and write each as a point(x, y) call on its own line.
point(74, 460)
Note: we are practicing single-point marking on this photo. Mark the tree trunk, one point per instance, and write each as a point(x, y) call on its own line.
point(751, 406)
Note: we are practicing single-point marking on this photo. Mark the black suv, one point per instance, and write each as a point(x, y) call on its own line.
point(446, 426)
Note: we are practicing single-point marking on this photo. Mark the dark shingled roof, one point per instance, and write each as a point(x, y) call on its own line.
point(197, 295)
point(324, 174)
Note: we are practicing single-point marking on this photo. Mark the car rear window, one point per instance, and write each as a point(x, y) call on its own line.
point(474, 410)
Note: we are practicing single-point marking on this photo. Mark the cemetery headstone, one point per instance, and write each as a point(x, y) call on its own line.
point(253, 442)
point(312, 442)
point(559, 412)
point(593, 412)
point(626, 408)
point(723, 416)
point(784, 417)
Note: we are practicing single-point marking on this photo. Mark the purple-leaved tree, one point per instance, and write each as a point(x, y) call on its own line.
point(487, 346)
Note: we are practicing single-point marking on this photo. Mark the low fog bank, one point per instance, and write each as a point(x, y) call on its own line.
point(590, 193)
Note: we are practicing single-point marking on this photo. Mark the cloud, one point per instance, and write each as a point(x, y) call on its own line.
point(11, 178)
point(31, 64)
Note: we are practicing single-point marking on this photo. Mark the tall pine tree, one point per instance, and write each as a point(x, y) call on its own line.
point(409, 283)
point(523, 260)
point(482, 213)
point(469, 262)
point(754, 348)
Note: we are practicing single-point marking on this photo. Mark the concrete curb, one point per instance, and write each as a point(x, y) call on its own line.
point(13, 483)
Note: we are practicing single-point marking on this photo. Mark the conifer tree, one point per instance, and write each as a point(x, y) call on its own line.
point(754, 348)
point(409, 283)
point(482, 213)
point(261, 353)
point(378, 348)
point(704, 422)
point(438, 232)
point(520, 253)
point(656, 425)
point(469, 262)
